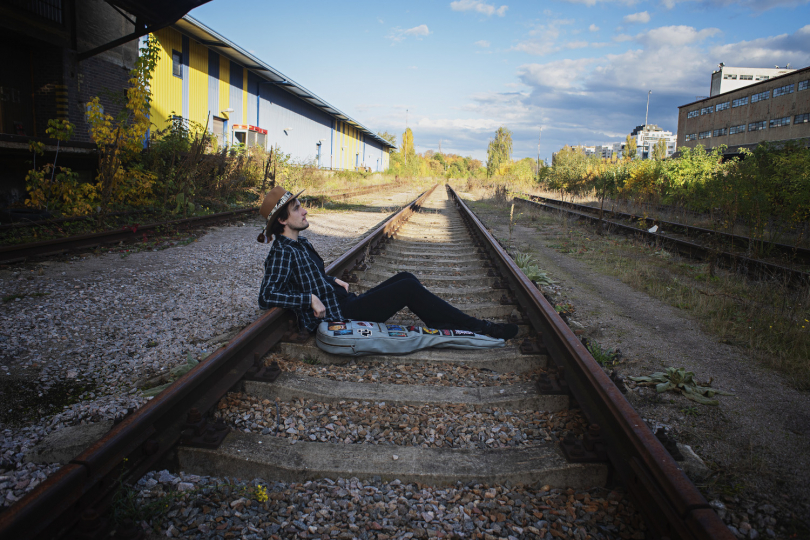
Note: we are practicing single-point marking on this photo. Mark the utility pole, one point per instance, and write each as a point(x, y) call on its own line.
point(647, 115)
point(538, 153)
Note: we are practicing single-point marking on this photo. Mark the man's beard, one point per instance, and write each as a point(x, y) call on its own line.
point(298, 228)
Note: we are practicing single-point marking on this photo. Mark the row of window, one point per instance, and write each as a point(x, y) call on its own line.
point(733, 77)
point(783, 90)
point(761, 96)
point(753, 126)
point(740, 102)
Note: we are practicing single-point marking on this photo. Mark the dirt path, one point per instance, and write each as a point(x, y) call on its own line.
point(758, 438)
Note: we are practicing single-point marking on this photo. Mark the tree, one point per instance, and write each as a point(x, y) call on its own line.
point(630, 147)
point(659, 151)
point(407, 146)
point(390, 137)
point(500, 150)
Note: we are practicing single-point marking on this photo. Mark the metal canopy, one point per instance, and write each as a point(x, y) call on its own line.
point(198, 31)
point(150, 15)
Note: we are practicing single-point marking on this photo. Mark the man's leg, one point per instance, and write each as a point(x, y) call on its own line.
point(405, 290)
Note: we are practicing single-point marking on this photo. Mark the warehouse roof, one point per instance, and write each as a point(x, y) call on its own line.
point(208, 37)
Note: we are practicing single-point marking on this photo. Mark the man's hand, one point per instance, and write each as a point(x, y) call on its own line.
point(342, 284)
point(318, 307)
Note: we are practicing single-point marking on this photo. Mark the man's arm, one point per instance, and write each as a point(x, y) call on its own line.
point(275, 290)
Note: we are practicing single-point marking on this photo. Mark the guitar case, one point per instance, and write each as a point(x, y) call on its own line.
point(358, 338)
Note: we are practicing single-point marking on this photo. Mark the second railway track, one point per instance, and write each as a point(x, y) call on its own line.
point(475, 417)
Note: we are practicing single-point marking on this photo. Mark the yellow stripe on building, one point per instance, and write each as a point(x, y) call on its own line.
point(198, 84)
point(167, 88)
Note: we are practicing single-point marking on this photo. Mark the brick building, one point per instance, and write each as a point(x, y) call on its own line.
point(776, 109)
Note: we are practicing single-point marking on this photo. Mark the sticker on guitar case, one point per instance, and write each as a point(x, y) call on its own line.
point(395, 328)
point(429, 331)
point(337, 326)
point(447, 332)
point(463, 333)
point(365, 332)
point(397, 334)
point(343, 332)
point(364, 323)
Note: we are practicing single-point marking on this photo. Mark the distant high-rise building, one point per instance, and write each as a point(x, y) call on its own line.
point(646, 137)
point(727, 78)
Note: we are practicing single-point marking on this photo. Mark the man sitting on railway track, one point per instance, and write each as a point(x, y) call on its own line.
point(294, 278)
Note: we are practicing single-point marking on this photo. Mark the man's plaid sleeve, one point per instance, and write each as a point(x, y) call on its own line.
point(275, 290)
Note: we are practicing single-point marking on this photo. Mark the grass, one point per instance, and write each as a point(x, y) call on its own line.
point(768, 318)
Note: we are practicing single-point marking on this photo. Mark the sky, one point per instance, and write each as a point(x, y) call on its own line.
point(577, 71)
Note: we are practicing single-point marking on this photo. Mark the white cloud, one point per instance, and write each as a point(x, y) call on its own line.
point(641, 17)
point(620, 38)
point(675, 36)
point(593, 28)
point(479, 6)
point(767, 52)
point(560, 74)
point(546, 40)
point(483, 43)
point(398, 34)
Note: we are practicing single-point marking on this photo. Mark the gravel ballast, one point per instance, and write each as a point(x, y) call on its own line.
point(83, 335)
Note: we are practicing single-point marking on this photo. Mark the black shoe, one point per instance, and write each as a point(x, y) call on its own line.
point(500, 331)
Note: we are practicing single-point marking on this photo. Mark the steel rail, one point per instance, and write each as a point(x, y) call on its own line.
point(669, 502)
point(734, 240)
point(21, 252)
point(79, 493)
point(754, 268)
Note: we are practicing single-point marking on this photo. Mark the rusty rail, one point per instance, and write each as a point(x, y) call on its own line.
point(79, 494)
point(670, 503)
point(21, 252)
point(754, 268)
point(742, 242)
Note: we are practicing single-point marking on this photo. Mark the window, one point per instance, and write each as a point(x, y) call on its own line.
point(803, 84)
point(691, 137)
point(779, 122)
point(693, 114)
point(757, 126)
point(720, 132)
point(177, 64)
point(732, 76)
point(740, 102)
point(733, 130)
point(783, 90)
point(707, 110)
point(763, 77)
point(746, 77)
point(762, 96)
point(801, 118)
point(722, 106)
point(705, 135)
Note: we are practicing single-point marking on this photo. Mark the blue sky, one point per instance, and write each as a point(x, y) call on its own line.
point(578, 69)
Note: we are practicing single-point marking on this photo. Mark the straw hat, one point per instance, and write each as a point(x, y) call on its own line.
point(274, 201)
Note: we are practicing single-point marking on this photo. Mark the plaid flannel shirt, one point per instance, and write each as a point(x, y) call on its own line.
point(293, 272)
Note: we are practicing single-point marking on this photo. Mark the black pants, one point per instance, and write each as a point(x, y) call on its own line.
point(405, 290)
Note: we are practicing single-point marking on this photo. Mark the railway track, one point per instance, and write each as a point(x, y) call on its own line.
point(322, 426)
point(21, 252)
point(733, 260)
